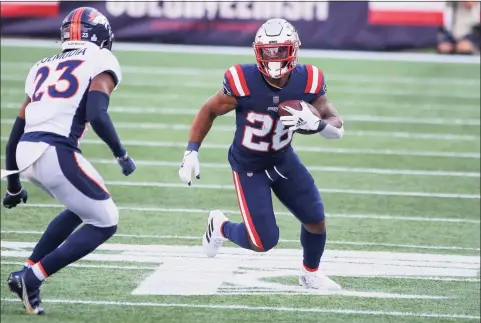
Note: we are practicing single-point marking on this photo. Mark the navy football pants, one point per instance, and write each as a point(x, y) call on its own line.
point(293, 185)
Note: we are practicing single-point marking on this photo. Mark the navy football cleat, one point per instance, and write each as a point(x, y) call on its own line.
point(30, 298)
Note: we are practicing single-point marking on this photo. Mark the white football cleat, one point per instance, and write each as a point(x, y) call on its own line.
point(317, 280)
point(213, 239)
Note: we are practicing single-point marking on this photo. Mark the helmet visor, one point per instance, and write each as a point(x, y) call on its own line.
point(274, 53)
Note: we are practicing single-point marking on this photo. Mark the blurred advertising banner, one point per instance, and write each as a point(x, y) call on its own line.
point(387, 25)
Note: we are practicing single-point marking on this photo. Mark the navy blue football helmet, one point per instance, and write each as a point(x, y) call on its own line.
point(86, 24)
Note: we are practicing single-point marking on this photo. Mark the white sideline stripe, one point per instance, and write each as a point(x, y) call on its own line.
point(253, 308)
point(231, 129)
point(91, 266)
point(321, 190)
point(311, 168)
point(388, 152)
point(240, 51)
point(330, 215)
point(344, 78)
point(350, 243)
point(339, 89)
point(364, 104)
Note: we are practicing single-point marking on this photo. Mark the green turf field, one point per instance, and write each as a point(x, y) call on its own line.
point(401, 189)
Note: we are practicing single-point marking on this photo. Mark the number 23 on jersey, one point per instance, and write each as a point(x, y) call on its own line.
point(254, 137)
point(58, 87)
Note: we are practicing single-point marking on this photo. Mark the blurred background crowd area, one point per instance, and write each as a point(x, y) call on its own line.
point(446, 27)
point(461, 29)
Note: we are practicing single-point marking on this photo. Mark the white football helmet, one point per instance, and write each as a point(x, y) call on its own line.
point(276, 47)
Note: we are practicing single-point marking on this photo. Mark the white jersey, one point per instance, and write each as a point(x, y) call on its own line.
point(57, 86)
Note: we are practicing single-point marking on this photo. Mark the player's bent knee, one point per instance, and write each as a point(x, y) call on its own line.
point(316, 228)
point(106, 232)
point(268, 240)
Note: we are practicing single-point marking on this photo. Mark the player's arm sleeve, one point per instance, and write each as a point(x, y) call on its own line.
point(18, 128)
point(97, 105)
point(235, 84)
point(107, 62)
point(316, 82)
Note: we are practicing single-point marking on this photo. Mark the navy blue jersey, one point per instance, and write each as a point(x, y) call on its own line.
point(261, 140)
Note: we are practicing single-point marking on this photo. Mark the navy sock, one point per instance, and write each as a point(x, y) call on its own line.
point(237, 233)
point(78, 245)
point(313, 245)
point(57, 231)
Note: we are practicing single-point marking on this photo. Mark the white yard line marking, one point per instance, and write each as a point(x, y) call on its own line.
point(383, 171)
point(435, 121)
point(81, 265)
point(339, 89)
point(149, 97)
point(194, 238)
point(247, 51)
point(352, 118)
point(388, 152)
point(351, 78)
point(254, 308)
point(249, 272)
point(321, 190)
point(231, 129)
point(133, 95)
point(311, 168)
point(124, 267)
point(330, 215)
point(411, 135)
point(449, 279)
point(369, 92)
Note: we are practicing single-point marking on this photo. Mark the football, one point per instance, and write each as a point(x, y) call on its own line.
point(296, 105)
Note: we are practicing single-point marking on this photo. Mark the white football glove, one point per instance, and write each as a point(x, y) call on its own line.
point(300, 120)
point(189, 163)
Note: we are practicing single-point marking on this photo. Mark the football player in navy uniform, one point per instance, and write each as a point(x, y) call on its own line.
point(261, 155)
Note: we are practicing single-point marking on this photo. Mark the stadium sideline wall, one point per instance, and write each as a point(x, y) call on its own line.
point(323, 25)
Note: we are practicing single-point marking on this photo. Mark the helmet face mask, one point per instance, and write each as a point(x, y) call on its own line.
point(276, 48)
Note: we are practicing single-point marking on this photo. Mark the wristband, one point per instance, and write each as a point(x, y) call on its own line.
point(192, 145)
point(321, 126)
point(331, 132)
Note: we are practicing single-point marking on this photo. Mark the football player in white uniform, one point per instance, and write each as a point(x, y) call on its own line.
point(65, 92)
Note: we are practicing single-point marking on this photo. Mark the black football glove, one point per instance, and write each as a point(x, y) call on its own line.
point(127, 164)
point(12, 200)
